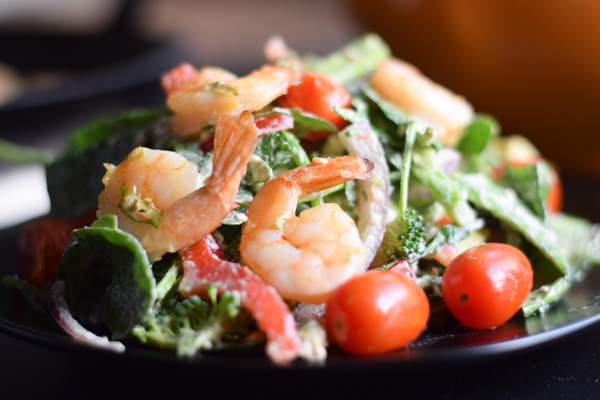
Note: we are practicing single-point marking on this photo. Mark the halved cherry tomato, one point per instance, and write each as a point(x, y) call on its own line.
point(486, 285)
point(318, 95)
point(203, 265)
point(375, 312)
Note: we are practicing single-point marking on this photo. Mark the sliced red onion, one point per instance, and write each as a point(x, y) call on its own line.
point(62, 315)
point(360, 140)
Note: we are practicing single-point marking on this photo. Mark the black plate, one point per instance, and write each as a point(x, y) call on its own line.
point(444, 344)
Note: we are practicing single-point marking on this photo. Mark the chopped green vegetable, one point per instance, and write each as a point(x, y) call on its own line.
point(190, 325)
point(138, 209)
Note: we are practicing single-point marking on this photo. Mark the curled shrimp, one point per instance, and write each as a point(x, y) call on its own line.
point(198, 103)
point(304, 257)
point(155, 193)
point(429, 103)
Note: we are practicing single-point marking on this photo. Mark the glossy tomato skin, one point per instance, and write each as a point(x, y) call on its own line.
point(486, 285)
point(318, 95)
point(376, 312)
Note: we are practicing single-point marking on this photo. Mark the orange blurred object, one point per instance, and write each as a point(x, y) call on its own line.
point(533, 65)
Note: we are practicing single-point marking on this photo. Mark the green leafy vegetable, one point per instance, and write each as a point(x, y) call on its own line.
point(351, 62)
point(532, 184)
point(579, 238)
point(281, 151)
point(108, 278)
point(25, 154)
point(478, 134)
point(443, 188)
point(101, 129)
point(504, 204)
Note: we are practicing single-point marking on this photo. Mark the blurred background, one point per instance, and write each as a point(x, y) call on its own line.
point(533, 65)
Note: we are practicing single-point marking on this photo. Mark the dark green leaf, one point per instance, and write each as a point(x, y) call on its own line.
point(108, 278)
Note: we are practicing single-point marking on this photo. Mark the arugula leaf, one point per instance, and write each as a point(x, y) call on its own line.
point(532, 184)
point(390, 110)
point(108, 278)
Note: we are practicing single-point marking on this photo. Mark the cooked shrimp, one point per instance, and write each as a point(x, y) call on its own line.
point(277, 50)
point(155, 193)
point(427, 102)
point(199, 102)
point(304, 257)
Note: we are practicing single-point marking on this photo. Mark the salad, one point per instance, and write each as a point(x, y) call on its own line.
point(318, 201)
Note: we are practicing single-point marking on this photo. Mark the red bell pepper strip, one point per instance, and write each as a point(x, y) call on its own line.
point(203, 265)
point(273, 122)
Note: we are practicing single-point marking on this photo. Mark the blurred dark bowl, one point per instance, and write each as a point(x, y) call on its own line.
point(534, 65)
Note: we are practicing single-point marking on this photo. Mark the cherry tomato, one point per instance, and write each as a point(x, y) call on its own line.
point(41, 247)
point(486, 285)
point(375, 312)
point(318, 95)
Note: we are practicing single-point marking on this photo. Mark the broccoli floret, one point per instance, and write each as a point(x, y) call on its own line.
point(404, 239)
point(190, 325)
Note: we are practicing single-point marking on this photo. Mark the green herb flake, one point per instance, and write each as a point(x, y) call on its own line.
point(219, 88)
point(138, 209)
